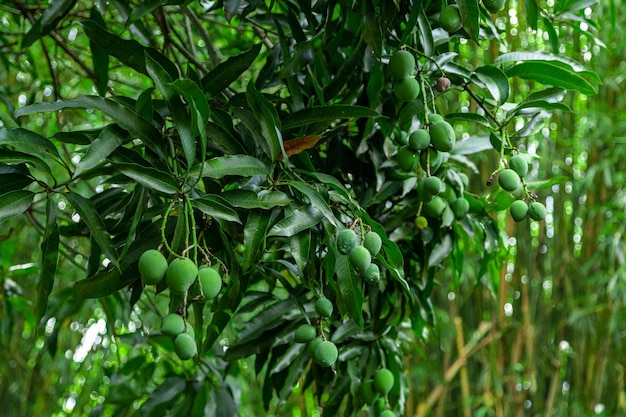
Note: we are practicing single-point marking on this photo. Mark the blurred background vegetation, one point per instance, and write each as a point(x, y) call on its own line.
point(547, 339)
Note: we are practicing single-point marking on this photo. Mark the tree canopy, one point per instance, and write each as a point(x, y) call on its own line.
point(210, 208)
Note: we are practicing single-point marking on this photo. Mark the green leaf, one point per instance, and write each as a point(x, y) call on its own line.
point(425, 32)
point(267, 117)
point(175, 105)
point(551, 74)
point(540, 104)
point(89, 215)
point(129, 52)
point(552, 34)
point(51, 17)
point(300, 219)
point(300, 247)
point(127, 118)
point(103, 284)
point(254, 234)
point(198, 107)
point(495, 80)
point(470, 15)
point(108, 141)
point(468, 117)
point(14, 203)
point(316, 200)
point(99, 57)
point(229, 71)
point(248, 199)
point(14, 157)
point(27, 141)
point(538, 56)
point(161, 399)
point(215, 206)
point(149, 177)
point(373, 33)
point(326, 114)
point(238, 165)
point(271, 316)
point(49, 260)
point(532, 13)
point(350, 289)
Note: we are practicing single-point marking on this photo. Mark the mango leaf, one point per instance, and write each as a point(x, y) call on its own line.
point(349, 289)
point(538, 56)
point(175, 105)
point(267, 117)
point(551, 74)
point(495, 81)
point(532, 13)
point(229, 71)
point(103, 284)
point(51, 17)
point(468, 117)
point(160, 400)
point(215, 206)
point(300, 219)
point(298, 145)
point(26, 141)
point(14, 203)
point(99, 57)
point(316, 200)
point(49, 260)
point(89, 215)
point(425, 32)
point(239, 165)
point(470, 15)
point(223, 140)
point(373, 34)
point(254, 233)
point(15, 157)
point(249, 199)
point(149, 177)
point(126, 117)
point(130, 52)
point(540, 104)
point(109, 140)
point(198, 107)
point(326, 114)
point(271, 316)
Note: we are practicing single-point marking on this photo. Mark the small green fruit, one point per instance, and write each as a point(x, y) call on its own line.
point(509, 180)
point(185, 347)
point(519, 164)
point(326, 353)
point(181, 273)
point(442, 136)
point(372, 274)
point(419, 140)
point(387, 413)
point(372, 243)
point(407, 158)
point(421, 222)
point(494, 6)
point(172, 325)
point(314, 344)
point(383, 381)
point(324, 307)
point(435, 207)
point(518, 210)
point(434, 118)
point(450, 19)
point(346, 241)
point(448, 194)
point(536, 211)
point(407, 89)
point(305, 333)
point(432, 185)
point(152, 266)
point(460, 207)
point(401, 64)
point(211, 282)
point(240, 248)
point(360, 259)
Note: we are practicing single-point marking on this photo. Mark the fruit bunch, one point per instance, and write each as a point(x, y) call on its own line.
point(359, 253)
point(376, 389)
point(401, 67)
point(180, 274)
point(511, 179)
point(323, 351)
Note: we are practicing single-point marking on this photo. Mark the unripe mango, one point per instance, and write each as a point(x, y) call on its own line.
point(401, 64)
point(152, 267)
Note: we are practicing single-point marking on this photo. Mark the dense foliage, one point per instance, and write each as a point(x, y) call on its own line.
point(300, 151)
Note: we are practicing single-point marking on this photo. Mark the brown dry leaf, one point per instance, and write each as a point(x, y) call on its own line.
point(297, 145)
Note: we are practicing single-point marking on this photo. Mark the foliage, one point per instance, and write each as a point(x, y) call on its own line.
point(245, 137)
